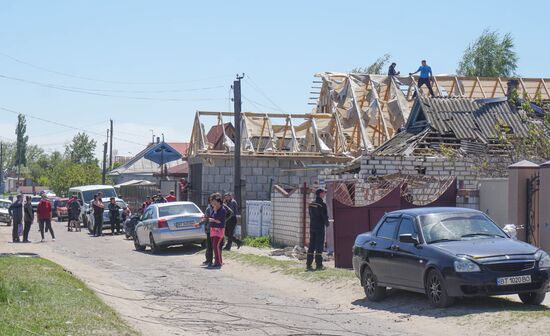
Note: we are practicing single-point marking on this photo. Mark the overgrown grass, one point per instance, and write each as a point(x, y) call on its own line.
point(259, 242)
point(292, 268)
point(37, 297)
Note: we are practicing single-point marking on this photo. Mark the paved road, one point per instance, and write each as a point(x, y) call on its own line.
point(171, 294)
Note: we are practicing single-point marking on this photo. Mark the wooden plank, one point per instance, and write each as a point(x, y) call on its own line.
point(452, 88)
point(437, 86)
point(261, 135)
point(524, 89)
point(494, 89)
point(282, 142)
point(545, 87)
point(481, 87)
point(502, 86)
point(461, 93)
point(473, 89)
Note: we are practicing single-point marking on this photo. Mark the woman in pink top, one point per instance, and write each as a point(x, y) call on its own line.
point(217, 228)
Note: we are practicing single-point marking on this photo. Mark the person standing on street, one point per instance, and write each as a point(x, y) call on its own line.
point(16, 212)
point(318, 221)
point(74, 209)
point(209, 253)
point(44, 214)
point(231, 223)
point(99, 208)
point(171, 197)
point(425, 76)
point(217, 228)
point(28, 218)
point(145, 205)
point(114, 216)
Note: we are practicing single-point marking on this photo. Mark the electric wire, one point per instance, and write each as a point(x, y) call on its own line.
point(15, 59)
point(256, 87)
point(76, 90)
point(67, 126)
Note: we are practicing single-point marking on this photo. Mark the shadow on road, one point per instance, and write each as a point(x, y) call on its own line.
point(187, 249)
point(408, 303)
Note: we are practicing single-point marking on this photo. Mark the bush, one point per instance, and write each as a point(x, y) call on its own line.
point(259, 242)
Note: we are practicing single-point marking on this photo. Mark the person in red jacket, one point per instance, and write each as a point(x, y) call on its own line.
point(171, 197)
point(44, 214)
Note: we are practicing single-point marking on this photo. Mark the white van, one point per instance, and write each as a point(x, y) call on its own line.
point(86, 194)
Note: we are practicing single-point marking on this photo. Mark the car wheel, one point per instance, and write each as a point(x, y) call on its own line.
point(436, 290)
point(137, 245)
point(155, 249)
point(532, 298)
point(373, 292)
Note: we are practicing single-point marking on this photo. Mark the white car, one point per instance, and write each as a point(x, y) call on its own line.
point(4, 213)
point(165, 224)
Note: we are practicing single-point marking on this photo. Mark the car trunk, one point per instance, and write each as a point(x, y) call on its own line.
point(182, 222)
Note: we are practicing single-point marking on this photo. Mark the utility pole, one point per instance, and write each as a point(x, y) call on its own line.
point(111, 147)
point(104, 172)
point(237, 164)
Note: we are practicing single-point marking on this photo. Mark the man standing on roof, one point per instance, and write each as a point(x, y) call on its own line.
point(392, 71)
point(318, 216)
point(425, 75)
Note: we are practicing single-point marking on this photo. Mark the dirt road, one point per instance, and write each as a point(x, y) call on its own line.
point(171, 294)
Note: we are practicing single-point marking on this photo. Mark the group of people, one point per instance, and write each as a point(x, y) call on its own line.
point(116, 216)
point(220, 220)
point(23, 213)
point(424, 79)
point(158, 198)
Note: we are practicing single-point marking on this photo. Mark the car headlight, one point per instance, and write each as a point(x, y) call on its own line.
point(465, 265)
point(543, 259)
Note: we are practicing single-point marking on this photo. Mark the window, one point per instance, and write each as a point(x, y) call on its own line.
point(458, 226)
point(148, 214)
point(407, 227)
point(178, 209)
point(387, 229)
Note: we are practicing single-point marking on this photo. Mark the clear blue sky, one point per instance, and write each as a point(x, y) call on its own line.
point(203, 44)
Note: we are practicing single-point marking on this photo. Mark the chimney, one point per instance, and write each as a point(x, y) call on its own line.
point(158, 139)
point(512, 85)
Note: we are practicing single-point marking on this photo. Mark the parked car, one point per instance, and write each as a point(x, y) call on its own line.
point(106, 218)
point(85, 195)
point(34, 201)
point(62, 210)
point(448, 253)
point(4, 213)
point(165, 224)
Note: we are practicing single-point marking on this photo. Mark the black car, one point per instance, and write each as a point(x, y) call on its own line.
point(448, 253)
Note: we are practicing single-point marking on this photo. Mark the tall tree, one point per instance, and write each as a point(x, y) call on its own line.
point(21, 144)
point(489, 56)
point(376, 68)
point(81, 149)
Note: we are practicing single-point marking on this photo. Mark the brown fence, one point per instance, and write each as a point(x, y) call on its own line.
point(350, 220)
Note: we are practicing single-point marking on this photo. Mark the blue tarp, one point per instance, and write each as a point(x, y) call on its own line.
point(162, 153)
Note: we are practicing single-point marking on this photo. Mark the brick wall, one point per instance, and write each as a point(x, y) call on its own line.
point(467, 170)
point(287, 217)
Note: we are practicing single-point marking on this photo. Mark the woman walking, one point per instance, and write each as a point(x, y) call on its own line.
point(216, 220)
point(44, 213)
point(28, 218)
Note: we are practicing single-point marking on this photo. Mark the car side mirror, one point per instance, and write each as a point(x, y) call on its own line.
point(408, 238)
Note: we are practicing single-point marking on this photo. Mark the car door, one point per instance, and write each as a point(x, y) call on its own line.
point(407, 262)
point(143, 230)
point(380, 252)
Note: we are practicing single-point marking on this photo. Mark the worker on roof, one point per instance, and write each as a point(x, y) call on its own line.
point(425, 76)
point(392, 71)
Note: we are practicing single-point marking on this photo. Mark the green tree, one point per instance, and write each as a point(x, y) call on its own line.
point(81, 149)
point(66, 174)
point(489, 56)
point(376, 68)
point(21, 144)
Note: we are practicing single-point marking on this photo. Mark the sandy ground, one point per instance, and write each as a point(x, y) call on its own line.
point(171, 294)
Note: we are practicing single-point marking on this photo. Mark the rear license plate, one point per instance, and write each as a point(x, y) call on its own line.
point(515, 280)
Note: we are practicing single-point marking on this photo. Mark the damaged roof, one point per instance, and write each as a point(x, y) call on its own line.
point(465, 124)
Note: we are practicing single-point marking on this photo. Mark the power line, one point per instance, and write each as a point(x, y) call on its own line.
point(259, 105)
point(104, 80)
point(84, 91)
point(50, 133)
point(256, 87)
point(67, 126)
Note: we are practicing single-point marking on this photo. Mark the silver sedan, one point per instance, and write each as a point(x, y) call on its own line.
point(165, 224)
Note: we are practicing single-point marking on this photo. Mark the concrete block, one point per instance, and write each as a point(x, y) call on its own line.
point(219, 178)
point(257, 171)
point(263, 163)
point(262, 179)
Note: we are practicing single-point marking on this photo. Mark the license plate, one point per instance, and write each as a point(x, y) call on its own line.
point(515, 280)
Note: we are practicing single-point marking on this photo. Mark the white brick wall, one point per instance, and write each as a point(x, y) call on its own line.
point(287, 218)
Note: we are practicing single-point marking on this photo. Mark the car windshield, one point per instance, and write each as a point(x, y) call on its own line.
point(458, 226)
point(4, 205)
point(36, 199)
point(107, 193)
point(178, 209)
point(62, 204)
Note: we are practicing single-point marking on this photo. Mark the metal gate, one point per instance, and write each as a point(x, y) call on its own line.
point(258, 218)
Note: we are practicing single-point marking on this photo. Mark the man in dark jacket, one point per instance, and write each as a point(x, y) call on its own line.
point(318, 217)
point(231, 223)
point(16, 212)
point(28, 218)
point(114, 216)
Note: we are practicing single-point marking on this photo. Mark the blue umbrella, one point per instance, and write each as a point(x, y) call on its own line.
point(162, 153)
